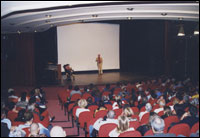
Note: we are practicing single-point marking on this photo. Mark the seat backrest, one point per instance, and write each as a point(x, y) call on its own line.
point(85, 117)
point(135, 109)
point(194, 128)
point(145, 119)
point(143, 109)
point(106, 93)
point(118, 112)
point(75, 97)
point(106, 129)
point(101, 114)
point(108, 106)
point(93, 107)
point(180, 129)
point(131, 134)
point(134, 124)
point(169, 120)
point(149, 133)
point(161, 113)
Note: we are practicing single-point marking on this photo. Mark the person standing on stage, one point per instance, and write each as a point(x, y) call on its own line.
point(99, 61)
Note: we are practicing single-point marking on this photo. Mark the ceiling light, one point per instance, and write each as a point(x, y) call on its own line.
point(129, 18)
point(180, 18)
point(163, 14)
point(181, 31)
point(35, 31)
point(18, 32)
point(52, 25)
point(47, 21)
point(196, 31)
point(48, 16)
point(129, 9)
point(95, 15)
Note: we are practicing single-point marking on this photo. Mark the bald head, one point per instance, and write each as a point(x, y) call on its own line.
point(34, 129)
point(111, 114)
point(57, 131)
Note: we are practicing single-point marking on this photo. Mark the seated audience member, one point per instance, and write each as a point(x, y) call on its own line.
point(82, 107)
point(75, 91)
point(144, 101)
point(167, 112)
point(107, 88)
point(148, 108)
point(20, 118)
point(57, 131)
point(35, 130)
point(144, 128)
point(106, 99)
point(40, 96)
point(118, 104)
point(110, 118)
point(190, 117)
point(128, 112)
point(123, 126)
point(11, 95)
point(12, 113)
point(161, 103)
point(28, 116)
point(23, 101)
point(4, 130)
point(158, 125)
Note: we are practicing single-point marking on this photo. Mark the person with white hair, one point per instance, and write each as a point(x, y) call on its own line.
point(57, 131)
point(148, 108)
point(158, 125)
point(161, 103)
point(110, 118)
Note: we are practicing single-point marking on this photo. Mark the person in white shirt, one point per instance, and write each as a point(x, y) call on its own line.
point(148, 108)
point(102, 121)
point(123, 126)
point(82, 107)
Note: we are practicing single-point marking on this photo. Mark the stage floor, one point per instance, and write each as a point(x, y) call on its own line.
point(111, 77)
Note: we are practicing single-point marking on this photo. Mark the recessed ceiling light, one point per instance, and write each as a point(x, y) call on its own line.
point(129, 18)
point(18, 32)
point(163, 14)
point(52, 25)
point(35, 31)
point(129, 9)
point(48, 16)
point(94, 15)
point(180, 18)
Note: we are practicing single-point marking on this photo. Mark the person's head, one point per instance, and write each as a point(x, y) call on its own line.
point(186, 99)
point(148, 107)
point(105, 98)
point(162, 103)
point(82, 103)
point(76, 88)
point(179, 96)
point(20, 116)
point(193, 110)
point(90, 100)
point(23, 96)
point(144, 100)
point(157, 124)
point(167, 111)
point(107, 86)
point(11, 106)
point(34, 129)
point(28, 117)
point(123, 124)
point(111, 114)
point(128, 112)
point(57, 131)
point(151, 116)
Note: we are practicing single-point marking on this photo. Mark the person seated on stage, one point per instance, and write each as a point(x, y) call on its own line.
point(69, 71)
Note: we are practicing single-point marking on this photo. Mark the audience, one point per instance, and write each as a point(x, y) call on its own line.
point(29, 116)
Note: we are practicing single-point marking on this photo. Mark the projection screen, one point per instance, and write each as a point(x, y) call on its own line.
point(79, 45)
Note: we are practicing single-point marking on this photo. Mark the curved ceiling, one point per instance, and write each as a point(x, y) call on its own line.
point(32, 16)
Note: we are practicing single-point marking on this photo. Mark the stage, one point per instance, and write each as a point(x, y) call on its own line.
point(108, 77)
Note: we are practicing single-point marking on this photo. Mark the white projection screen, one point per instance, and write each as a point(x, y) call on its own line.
point(79, 45)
